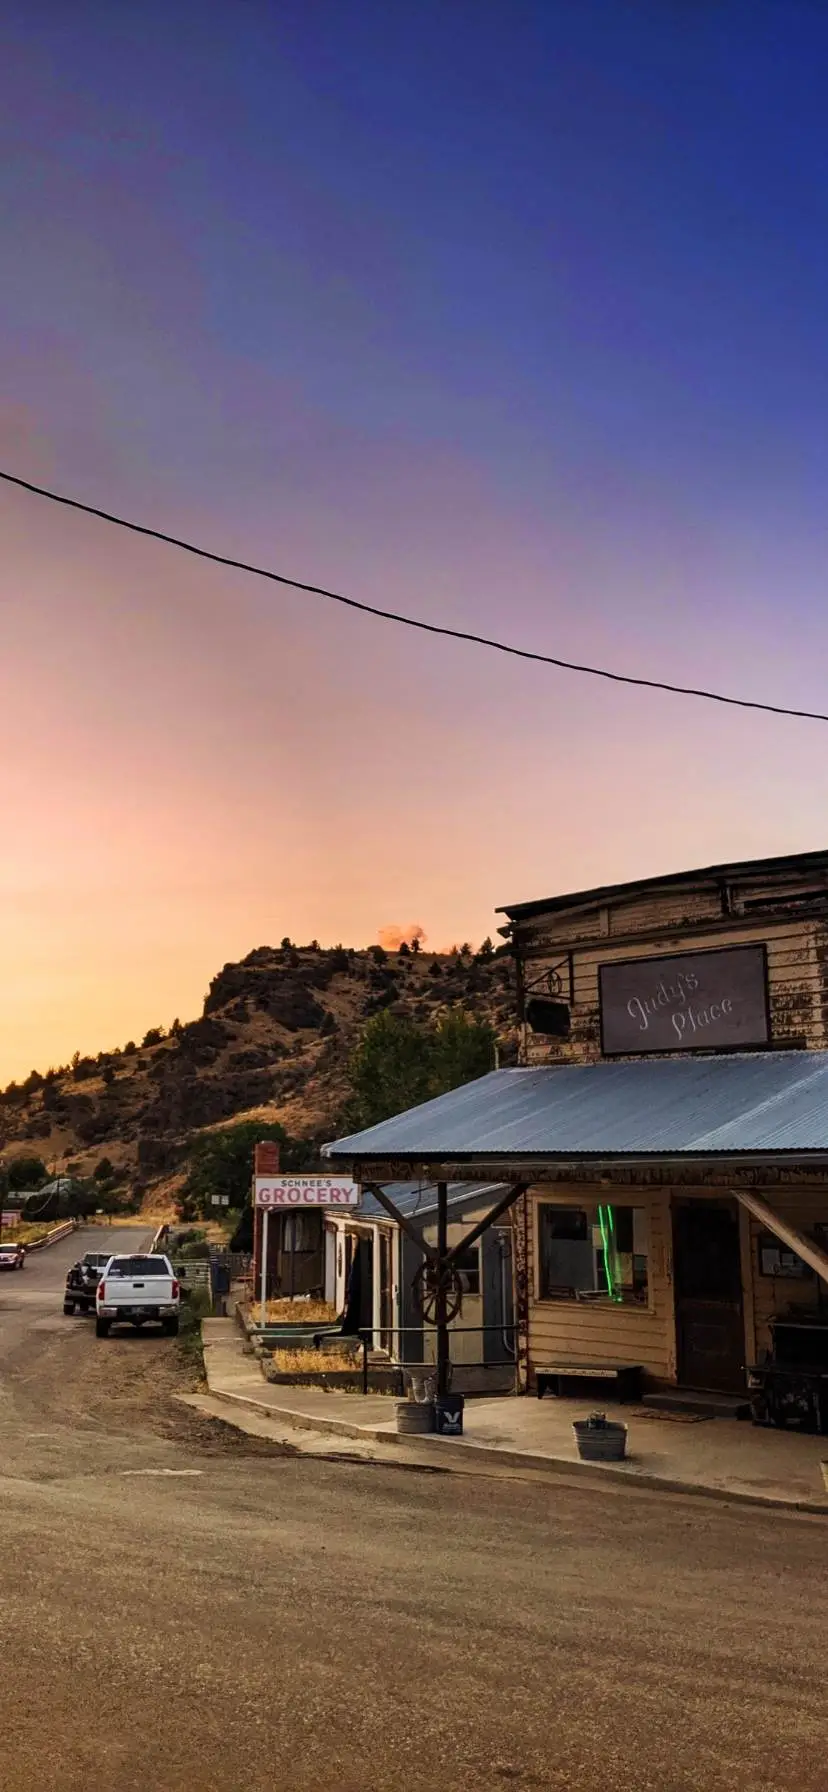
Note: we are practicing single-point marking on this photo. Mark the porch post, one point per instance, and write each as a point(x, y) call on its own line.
point(442, 1325)
point(265, 1222)
point(795, 1240)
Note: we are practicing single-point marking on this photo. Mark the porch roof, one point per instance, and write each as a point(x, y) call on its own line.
point(738, 1104)
point(417, 1199)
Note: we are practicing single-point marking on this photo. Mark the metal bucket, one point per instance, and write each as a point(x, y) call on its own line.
point(600, 1443)
point(414, 1417)
point(422, 1387)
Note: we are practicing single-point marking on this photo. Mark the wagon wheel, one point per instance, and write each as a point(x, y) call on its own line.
point(428, 1279)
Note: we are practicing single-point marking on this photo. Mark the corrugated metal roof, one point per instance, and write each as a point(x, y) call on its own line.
point(739, 1103)
point(416, 1199)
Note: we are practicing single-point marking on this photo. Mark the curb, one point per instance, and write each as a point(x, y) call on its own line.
point(489, 1457)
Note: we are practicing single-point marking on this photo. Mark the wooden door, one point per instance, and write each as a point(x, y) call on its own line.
point(707, 1278)
point(498, 1344)
point(386, 1339)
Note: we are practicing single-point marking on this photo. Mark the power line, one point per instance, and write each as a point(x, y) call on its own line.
point(428, 628)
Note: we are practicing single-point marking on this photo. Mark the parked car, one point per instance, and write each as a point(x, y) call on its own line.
point(12, 1256)
point(133, 1290)
point(82, 1282)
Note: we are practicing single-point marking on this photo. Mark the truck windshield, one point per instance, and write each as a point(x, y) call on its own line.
point(137, 1266)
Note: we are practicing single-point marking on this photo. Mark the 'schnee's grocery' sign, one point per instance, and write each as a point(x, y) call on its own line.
point(306, 1191)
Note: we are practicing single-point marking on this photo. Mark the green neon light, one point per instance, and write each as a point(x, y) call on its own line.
point(606, 1221)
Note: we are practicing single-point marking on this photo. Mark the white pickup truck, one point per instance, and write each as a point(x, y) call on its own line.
point(133, 1290)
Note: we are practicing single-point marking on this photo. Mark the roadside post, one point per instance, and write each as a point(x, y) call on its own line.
point(265, 1227)
point(265, 1163)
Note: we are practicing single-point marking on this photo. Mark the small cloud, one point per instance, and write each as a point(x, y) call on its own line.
point(391, 936)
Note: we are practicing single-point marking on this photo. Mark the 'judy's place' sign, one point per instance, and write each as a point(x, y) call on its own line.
point(693, 1001)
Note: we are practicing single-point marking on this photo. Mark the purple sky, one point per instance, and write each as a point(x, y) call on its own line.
point(511, 315)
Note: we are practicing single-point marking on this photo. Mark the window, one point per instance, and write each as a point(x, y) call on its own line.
point(139, 1266)
point(300, 1232)
point(592, 1253)
point(467, 1264)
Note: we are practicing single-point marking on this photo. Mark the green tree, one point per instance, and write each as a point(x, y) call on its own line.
point(390, 1070)
point(104, 1170)
point(464, 1049)
point(487, 950)
point(221, 1163)
point(398, 1064)
point(379, 954)
point(26, 1172)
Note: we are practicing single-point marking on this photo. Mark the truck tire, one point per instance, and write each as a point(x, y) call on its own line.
point(69, 1308)
point(102, 1328)
point(170, 1328)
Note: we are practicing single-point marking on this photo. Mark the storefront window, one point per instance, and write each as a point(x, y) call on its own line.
point(595, 1253)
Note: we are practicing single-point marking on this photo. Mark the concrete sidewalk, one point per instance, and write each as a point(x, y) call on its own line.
point(722, 1458)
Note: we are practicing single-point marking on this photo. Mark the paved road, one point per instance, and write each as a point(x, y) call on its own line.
point(186, 1608)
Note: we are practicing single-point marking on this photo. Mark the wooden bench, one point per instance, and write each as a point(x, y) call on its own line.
point(626, 1378)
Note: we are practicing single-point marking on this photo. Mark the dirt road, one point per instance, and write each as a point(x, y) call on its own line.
point(183, 1607)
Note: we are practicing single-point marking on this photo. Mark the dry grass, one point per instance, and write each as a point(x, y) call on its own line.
point(312, 1362)
point(294, 1312)
point(28, 1231)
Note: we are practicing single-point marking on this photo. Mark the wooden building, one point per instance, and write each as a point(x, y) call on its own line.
point(482, 1342)
point(666, 1135)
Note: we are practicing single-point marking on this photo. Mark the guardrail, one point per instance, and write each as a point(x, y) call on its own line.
point(40, 1244)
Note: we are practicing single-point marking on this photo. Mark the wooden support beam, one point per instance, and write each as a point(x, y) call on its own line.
point(403, 1223)
point(488, 1220)
point(805, 1248)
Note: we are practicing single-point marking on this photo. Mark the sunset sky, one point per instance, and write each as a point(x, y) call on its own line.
point(510, 315)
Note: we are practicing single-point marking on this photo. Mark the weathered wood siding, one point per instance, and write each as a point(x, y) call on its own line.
point(575, 1331)
point(578, 1331)
point(796, 952)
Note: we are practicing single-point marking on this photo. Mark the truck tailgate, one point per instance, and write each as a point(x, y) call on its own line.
point(144, 1291)
point(138, 1283)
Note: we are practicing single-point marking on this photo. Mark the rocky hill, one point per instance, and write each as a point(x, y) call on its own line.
point(272, 1043)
